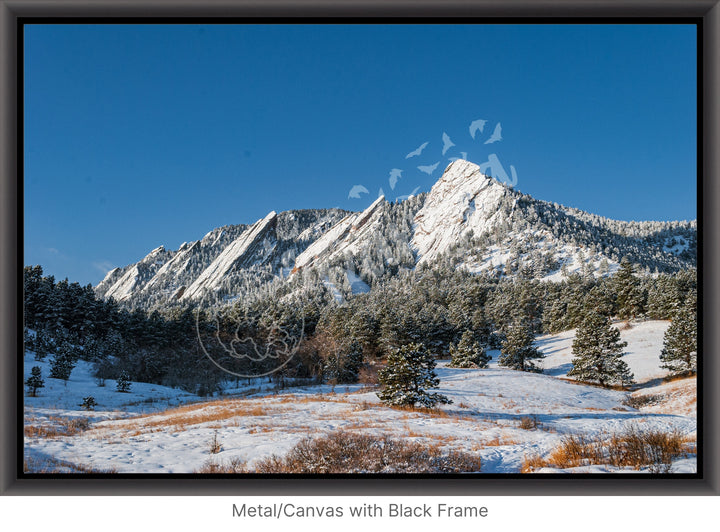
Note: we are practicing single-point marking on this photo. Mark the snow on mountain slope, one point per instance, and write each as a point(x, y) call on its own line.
point(177, 265)
point(233, 254)
point(341, 238)
point(463, 199)
point(189, 262)
point(135, 276)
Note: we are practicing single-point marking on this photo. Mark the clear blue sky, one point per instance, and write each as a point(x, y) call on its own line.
point(142, 135)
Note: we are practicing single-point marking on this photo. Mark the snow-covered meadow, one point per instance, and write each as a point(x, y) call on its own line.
point(505, 417)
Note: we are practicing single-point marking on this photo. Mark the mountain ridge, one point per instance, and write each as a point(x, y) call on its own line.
point(467, 220)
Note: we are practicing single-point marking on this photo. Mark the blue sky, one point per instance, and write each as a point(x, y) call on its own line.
point(142, 135)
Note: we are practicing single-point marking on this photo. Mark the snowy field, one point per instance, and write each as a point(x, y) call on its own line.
point(503, 416)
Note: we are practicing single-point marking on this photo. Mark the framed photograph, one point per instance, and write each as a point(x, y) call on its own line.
point(351, 247)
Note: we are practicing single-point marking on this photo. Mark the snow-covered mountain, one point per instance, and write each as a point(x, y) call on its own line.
point(463, 200)
point(467, 220)
point(224, 259)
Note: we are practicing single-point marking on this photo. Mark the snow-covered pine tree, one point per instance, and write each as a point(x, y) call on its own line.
point(409, 374)
point(664, 297)
point(353, 363)
point(468, 353)
point(600, 299)
point(35, 381)
point(123, 383)
point(63, 362)
point(597, 351)
point(630, 297)
point(517, 351)
point(679, 353)
point(43, 343)
point(28, 340)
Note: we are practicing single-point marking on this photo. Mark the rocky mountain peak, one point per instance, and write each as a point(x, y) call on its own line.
point(463, 199)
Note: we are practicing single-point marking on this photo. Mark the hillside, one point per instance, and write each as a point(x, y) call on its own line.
point(504, 417)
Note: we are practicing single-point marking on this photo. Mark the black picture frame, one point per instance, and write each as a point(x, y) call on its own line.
point(13, 14)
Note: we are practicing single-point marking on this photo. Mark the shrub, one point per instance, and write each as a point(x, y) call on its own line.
point(528, 422)
point(89, 403)
point(233, 466)
point(343, 452)
point(215, 446)
point(653, 450)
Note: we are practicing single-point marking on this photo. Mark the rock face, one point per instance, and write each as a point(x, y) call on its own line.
point(122, 284)
point(255, 241)
point(463, 199)
point(212, 264)
point(346, 236)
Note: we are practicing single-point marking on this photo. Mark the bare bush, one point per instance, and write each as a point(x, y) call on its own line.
point(368, 375)
point(215, 446)
point(343, 452)
point(528, 422)
point(233, 466)
point(653, 450)
point(639, 401)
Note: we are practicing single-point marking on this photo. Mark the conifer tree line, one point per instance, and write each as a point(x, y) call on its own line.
point(446, 311)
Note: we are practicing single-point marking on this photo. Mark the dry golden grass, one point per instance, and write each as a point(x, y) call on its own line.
point(680, 377)
point(532, 463)
point(60, 427)
point(654, 450)
point(183, 417)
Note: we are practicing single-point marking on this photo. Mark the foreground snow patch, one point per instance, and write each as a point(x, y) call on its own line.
point(500, 415)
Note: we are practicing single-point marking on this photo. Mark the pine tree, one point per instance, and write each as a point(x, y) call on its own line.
point(43, 344)
point(630, 297)
point(344, 367)
point(597, 351)
point(123, 383)
point(353, 364)
point(554, 315)
point(91, 350)
point(28, 340)
point(468, 353)
point(409, 374)
point(679, 353)
point(600, 300)
point(35, 382)
point(664, 298)
point(63, 362)
point(517, 351)
point(88, 403)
